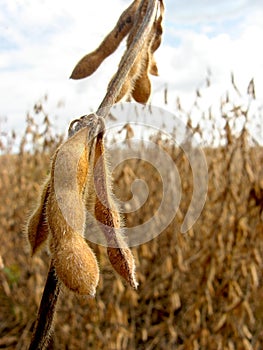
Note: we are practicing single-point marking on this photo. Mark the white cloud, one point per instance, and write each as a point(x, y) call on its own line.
point(208, 10)
point(46, 39)
point(184, 67)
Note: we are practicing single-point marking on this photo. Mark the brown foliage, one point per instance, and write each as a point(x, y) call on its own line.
point(202, 290)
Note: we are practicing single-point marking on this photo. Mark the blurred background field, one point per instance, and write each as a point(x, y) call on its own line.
point(200, 290)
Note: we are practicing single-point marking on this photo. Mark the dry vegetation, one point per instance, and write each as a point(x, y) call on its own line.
point(202, 290)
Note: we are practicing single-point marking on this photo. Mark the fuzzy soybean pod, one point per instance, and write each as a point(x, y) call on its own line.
point(141, 90)
point(89, 63)
point(37, 228)
point(157, 32)
point(75, 263)
point(108, 217)
point(138, 64)
point(137, 83)
point(142, 86)
point(129, 83)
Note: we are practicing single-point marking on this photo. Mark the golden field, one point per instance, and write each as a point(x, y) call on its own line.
point(199, 290)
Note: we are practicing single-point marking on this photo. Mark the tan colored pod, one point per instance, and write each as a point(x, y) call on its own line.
point(74, 261)
point(136, 68)
point(157, 32)
point(123, 262)
point(89, 63)
point(137, 74)
point(137, 83)
point(37, 227)
point(68, 181)
point(153, 67)
point(142, 88)
point(128, 84)
point(108, 217)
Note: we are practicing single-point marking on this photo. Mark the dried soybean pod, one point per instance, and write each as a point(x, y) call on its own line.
point(142, 88)
point(137, 83)
point(156, 41)
point(123, 262)
point(135, 71)
point(89, 63)
point(158, 30)
point(108, 217)
point(75, 263)
point(128, 84)
point(37, 228)
point(153, 67)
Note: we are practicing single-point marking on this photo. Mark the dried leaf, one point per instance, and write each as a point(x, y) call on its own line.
point(221, 322)
point(251, 89)
point(234, 84)
point(254, 275)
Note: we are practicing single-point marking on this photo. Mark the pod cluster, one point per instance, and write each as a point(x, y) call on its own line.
point(80, 180)
point(137, 84)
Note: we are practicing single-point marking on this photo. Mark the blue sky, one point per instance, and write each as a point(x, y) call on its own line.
point(42, 40)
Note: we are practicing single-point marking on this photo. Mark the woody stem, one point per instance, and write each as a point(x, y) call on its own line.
point(46, 312)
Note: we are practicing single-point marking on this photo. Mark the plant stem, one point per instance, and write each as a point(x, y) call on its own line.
point(46, 311)
point(47, 308)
